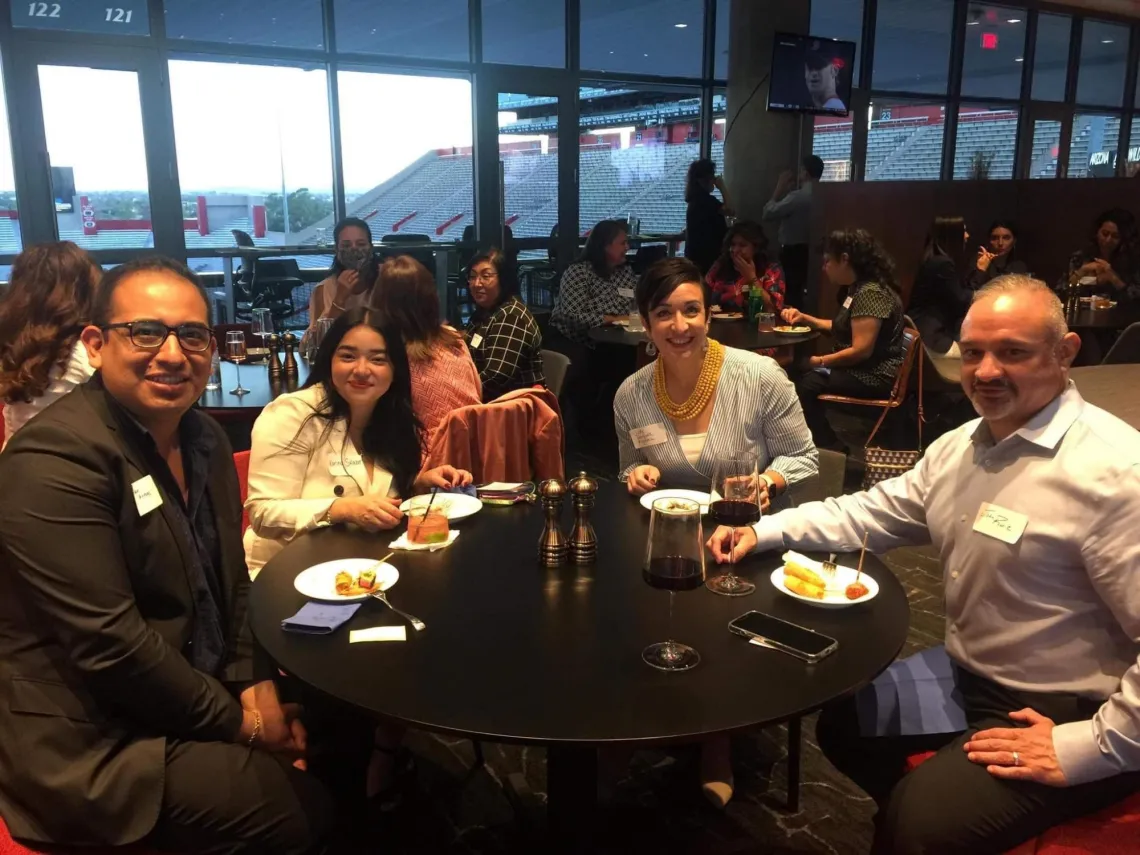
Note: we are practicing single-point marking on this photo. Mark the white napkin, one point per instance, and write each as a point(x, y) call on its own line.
point(402, 542)
point(803, 561)
point(378, 633)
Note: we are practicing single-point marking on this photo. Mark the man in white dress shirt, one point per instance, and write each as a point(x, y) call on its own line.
point(1034, 703)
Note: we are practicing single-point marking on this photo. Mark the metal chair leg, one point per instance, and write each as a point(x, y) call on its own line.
point(794, 745)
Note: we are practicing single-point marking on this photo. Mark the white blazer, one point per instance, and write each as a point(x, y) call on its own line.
point(296, 473)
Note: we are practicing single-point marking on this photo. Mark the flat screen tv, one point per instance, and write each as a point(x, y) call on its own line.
point(811, 75)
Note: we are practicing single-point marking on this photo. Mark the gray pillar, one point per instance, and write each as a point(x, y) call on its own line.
point(761, 144)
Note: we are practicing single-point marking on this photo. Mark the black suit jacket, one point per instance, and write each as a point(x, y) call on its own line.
point(938, 303)
point(96, 612)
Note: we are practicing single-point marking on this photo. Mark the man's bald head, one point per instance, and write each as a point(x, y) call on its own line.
point(1028, 300)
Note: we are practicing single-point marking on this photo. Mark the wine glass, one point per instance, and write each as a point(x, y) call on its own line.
point(674, 561)
point(734, 501)
point(263, 325)
point(235, 351)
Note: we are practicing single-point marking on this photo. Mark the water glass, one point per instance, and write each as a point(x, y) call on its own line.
point(215, 381)
point(734, 501)
point(263, 325)
point(674, 561)
point(765, 321)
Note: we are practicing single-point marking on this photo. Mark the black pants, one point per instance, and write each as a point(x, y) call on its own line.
point(794, 260)
point(948, 804)
point(221, 798)
point(811, 384)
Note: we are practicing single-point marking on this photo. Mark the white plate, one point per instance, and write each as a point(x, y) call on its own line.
point(785, 330)
point(833, 598)
point(457, 506)
point(695, 495)
point(319, 581)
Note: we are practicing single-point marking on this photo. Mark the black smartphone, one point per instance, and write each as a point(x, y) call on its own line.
point(779, 634)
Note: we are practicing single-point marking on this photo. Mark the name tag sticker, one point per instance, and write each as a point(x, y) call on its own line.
point(476, 340)
point(644, 437)
point(625, 292)
point(997, 522)
point(847, 303)
point(147, 497)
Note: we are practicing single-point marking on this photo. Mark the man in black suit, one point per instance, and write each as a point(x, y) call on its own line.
point(131, 703)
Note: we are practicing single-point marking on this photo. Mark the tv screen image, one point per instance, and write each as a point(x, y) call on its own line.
point(811, 75)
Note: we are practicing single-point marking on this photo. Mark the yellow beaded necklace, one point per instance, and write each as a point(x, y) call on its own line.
point(702, 392)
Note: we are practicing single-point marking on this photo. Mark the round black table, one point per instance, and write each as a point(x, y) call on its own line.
point(739, 334)
point(1116, 318)
point(255, 377)
point(517, 653)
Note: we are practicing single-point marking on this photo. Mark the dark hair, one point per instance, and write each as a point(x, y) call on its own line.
point(48, 302)
point(946, 239)
point(101, 312)
point(601, 236)
point(699, 178)
point(813, 165)
point(752, 232)
point(406, 298)
point(1125, 224)
point(662, 279)
point(1002, 223)
point(865, 255)
point(348, 222)
point(393, 435)
point(505, 266)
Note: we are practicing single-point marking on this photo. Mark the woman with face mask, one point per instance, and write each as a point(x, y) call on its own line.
point(351, 277)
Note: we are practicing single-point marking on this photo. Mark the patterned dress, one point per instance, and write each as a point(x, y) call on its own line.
point(506, 345)
point(584, 298)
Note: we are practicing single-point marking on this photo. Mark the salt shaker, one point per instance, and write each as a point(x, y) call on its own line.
point(290, 359)
point(275, 369)
point(552, 546)
point(583, 541)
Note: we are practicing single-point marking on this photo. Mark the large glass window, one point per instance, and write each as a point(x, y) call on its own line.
point(985, 143)
point(720, 127)
point(840, 19)
point(831, 141)
point(720, 63)
point(99, 180)
point(281, 23)
point(523, 32)
point(269, 184)
point(912, 45)
point(528, 158)
point(636, 146)
point(1051, 57)
point(643, 36)
point(994, 47)
point(123, 17)
point(10, 240)
point(1092, 151)
point(904, 141)
point(416, 176)
point(1046, 148)
point(436, 30)
point(1132, 169)
point(1104, 63)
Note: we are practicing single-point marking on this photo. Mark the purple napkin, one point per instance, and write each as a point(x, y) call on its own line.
point(319, 618)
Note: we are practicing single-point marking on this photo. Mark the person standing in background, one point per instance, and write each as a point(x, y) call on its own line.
point(705, 225)
point(791, 208)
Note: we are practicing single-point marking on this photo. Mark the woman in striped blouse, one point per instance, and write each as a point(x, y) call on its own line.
point(698, 402)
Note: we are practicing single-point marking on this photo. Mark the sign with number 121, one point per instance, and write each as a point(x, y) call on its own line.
point(126, 17)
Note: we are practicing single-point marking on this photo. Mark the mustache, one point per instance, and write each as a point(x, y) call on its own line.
point(992, 384)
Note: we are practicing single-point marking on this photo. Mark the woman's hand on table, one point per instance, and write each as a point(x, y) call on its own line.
point(793, 316)
point(718, 544)
point(371, 513)
point(643, 479)
point(443, 477)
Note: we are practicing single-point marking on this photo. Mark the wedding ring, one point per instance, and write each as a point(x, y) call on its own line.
point(1016, 759)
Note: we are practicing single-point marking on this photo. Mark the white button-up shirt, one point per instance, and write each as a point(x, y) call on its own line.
point(1056, 611)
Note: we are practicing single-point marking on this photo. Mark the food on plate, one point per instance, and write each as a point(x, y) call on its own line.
point(791, 329)
point(804, 589)
point(856, 590)
point(348, 585)
point(344, 583)
point(367, 579)
point(798, 571)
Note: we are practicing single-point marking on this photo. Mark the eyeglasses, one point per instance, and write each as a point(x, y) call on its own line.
point(151, 335)
point(485, 276)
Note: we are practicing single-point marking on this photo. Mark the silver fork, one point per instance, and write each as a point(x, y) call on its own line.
point(416, 623)
point(829, 566)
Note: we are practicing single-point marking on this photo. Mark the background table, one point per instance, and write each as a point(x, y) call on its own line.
point(1116, 318)
point(1112, 388)
point(517, 653)
point(740, 334)
point(236, 414)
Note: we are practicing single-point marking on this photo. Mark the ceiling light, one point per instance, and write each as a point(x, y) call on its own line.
point(1014, 21)
point(680, 26)
point(1106, 41)
point(972, 23)
point(1019, 59)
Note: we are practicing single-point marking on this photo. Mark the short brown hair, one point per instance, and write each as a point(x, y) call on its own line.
point(406, 298)
point(662, 279)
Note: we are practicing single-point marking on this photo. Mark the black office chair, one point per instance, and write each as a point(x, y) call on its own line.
point(243, 278)
point(647, 255)
point(272, 288)
point(426, 257)
point(1126, 349)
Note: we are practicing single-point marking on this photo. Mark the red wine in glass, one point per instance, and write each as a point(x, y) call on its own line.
point(674, 573)
point(734, 513)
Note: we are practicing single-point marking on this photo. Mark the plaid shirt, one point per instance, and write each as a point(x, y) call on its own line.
point(506, 345)
point(584, 298)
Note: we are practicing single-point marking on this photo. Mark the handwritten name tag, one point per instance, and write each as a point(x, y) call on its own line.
point(345, 467)
point(625, 292)
point(147, 497)
point(997, 522)
point(847, 303)
point(643, 437)
point(476, 340)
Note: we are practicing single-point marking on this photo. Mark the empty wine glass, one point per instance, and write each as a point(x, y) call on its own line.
point(263, 325)
point(734, 501)
point(236, 353)
point(674, 561)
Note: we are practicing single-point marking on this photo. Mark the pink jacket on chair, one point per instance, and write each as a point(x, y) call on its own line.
point(517, 437)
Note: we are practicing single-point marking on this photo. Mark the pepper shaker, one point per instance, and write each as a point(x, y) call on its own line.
point(290, 359)
point(583, 541)
point(275, 369)
point(553, 546)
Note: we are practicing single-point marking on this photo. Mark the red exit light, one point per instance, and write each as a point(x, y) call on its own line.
point(989, 41)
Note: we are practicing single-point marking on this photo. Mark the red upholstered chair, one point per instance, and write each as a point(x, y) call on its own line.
point(8, 846)
point(1112, 831)
point(241, 463)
